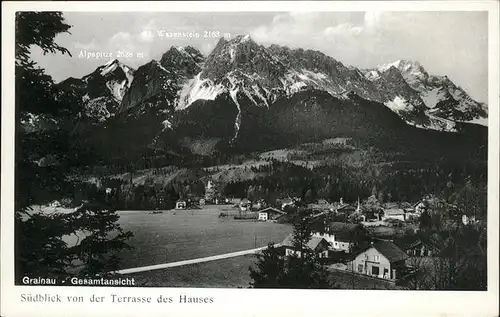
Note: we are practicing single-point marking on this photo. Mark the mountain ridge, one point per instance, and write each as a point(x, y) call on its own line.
point(234, 99)
point(264, 74)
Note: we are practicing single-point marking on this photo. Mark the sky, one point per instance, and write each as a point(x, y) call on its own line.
point(452, 43)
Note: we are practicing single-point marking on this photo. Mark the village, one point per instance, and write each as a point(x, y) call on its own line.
point(362, 238)
point(394, 245)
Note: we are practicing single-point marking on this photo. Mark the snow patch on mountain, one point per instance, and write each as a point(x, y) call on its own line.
point(399, 104)
point(295, 87)
point(129, 73)
point(118, 89)
point(480, 121)
point(109, 67)
point(197, 89)
point(258, 90)
point(440, 124)
point(372, 75)
point(295, 81)
point(432, 97)
point(313, 76)
point(259, 94)
point(161, 66)
point(245, 38)
point(232, 54)
point(237, 123)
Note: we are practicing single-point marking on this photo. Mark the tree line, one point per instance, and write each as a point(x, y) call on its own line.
point(51, 244)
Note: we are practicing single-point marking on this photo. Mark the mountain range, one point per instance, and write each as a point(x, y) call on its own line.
point(250, 97)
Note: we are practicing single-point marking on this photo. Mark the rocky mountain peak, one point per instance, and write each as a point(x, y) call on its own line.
point(181, 53)
point(392, 73)
point(412, 71)
point(195, 54)
point(244, 55)
point(185, 62)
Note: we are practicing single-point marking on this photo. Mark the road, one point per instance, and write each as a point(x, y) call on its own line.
point(192, 261)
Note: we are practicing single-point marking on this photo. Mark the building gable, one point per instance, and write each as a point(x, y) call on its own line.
point(372, 255)
point(390, 251)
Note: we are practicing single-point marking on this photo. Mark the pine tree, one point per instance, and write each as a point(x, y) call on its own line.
point(303, 271)
point(40, 247)
point(97, 250)
point(270, 269)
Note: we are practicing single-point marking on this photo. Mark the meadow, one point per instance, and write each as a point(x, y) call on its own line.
point(226, 273)
point(176, 235)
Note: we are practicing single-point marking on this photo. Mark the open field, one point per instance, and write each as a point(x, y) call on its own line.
point(176, 235)
point(227, 273)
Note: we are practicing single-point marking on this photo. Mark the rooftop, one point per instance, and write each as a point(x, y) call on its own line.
point(341, 230)
point(271, 209)
point(312, 244)
point(394, 212)
point(390, 251)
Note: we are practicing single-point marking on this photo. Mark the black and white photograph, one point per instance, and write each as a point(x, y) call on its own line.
point(334, 150)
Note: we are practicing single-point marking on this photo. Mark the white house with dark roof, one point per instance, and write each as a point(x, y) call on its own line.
point(288, 202)
point(180, 204)
point(270, 214)
point(382, 259)
point(315, 244)
point(341, 236)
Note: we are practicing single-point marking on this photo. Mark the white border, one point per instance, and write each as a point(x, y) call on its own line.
point(244, 301)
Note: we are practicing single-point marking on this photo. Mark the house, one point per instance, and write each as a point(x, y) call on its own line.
point(287, 202)
point(160, 200)
point(338, 141)
point(180, 204)
point(321, 206)
point(317, 245)
point(345, 209)
point(420, 207)
point(373, 215)
point(411, 214)
point(394, 213)
point(419, 248)
point(245, 205)
point(382, 259)
point(270, 213)
point(406, 206)
point(468, 219)
point(341, 236)
point(259, 205)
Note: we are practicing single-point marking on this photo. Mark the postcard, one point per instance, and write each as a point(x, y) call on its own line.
point(250, 158)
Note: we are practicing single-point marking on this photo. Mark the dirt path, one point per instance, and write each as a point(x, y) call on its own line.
point(192, 261)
